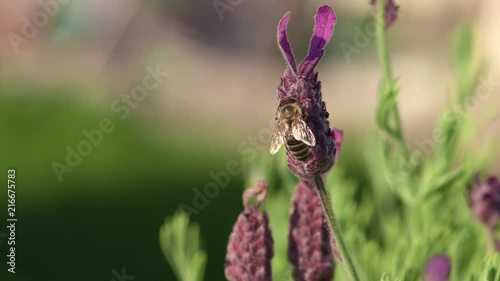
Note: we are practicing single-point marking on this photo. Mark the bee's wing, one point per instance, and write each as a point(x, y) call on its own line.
point(301, 132)
point(278, 138)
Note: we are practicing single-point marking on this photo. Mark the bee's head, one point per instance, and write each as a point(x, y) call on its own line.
point(288, 111)
point(289, 107)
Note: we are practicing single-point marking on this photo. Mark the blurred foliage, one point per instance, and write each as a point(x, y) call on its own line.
point(385, 237)
point(105, 214)
point(491, 268)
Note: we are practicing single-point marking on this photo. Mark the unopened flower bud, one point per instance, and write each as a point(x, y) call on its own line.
point(391, 11)
point(250, 247)
point(309, 242)
point(485, 201)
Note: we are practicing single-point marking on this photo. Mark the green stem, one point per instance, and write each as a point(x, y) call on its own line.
point(399, 134)
point(383, 51)
point(388, 80)
point(335, 230)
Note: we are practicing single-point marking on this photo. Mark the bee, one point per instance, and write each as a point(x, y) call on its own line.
point(292, 130)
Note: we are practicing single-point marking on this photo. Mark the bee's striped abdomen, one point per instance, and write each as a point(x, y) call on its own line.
point(297, 148)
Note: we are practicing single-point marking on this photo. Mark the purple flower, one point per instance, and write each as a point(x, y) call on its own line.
point(485, 201)
point(338, 137)
point(438, 269)
point(309, 248)
point(391, 11)
point(250, 247)
point(301, 84)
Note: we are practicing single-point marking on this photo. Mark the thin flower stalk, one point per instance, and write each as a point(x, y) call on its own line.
point(388, 118)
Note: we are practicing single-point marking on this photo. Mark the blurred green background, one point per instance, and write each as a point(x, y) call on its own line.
point(223, 71)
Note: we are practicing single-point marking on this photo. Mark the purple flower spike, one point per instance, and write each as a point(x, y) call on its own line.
point(303, 87)
point(485, 201)
point(323, 31)
point(250, 247)
point(391, 11)
point(309, 248)
point(438, 269)
point(285, 47)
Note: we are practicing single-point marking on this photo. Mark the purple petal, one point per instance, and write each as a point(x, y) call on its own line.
point(285, 47)
point(323, 31)
point(337, 136)
point(438, 269)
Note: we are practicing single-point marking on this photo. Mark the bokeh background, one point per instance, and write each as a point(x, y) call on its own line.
point(223, 70)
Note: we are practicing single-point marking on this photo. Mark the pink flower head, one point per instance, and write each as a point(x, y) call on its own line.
point(485, 201)
point(250, 247)
point(309, 244)
point(438, 268)
point(391, 11)
point(301, 84)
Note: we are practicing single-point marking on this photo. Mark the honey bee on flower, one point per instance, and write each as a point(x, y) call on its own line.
point(302, 119)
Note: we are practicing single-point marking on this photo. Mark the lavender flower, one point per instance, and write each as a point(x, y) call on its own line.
point(485, 201)
point(301, 83)
point(337, 136)
point(391, 11)
point(438, 269)
point(309, 248)
point(250, 247)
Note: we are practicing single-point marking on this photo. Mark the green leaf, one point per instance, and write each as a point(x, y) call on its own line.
point(467, 64)
point(444, 182)
point(181, 245)
point(386, 277)
point(462, 46)
point(491, 268)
